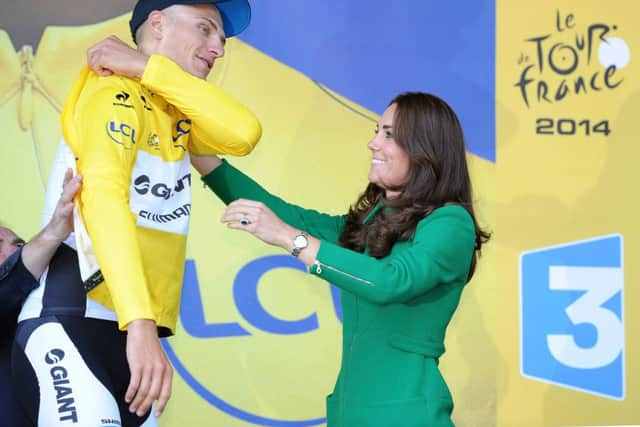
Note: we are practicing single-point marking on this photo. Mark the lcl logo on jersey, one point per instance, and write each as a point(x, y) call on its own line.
point(572, 323)
point(121, 133)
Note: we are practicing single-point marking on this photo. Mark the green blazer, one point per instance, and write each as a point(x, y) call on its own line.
point(395, 309)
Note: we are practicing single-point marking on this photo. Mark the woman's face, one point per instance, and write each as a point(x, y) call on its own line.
point(389, 163)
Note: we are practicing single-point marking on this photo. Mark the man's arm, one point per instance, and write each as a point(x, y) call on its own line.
point(220, 124)
point(20, 272)
point(102, 137)
point(16, 282)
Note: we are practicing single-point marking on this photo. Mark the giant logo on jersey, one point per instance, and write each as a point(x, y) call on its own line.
point(54, 356)
point(62, 386)
point(572, 323)
point(143, 185)
point(161, 193)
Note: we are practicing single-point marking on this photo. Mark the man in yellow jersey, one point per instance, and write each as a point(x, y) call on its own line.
point(130, 138)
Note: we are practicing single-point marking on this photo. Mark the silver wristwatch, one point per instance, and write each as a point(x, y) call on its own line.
point(300, 242)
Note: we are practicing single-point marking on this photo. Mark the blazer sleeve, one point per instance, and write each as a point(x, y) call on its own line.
point(440, 253)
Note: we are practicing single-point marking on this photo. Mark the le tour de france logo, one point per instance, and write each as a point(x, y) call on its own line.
point(567, 63)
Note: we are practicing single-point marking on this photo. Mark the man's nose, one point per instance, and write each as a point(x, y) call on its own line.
point(216, 47)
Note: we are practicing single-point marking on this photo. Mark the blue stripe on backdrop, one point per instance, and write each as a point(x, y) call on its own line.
point(370, 50)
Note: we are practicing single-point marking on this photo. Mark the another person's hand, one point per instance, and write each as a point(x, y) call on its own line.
point(113, 56)
point(151, 372)
point(257, 219)
point(38, 252)
point(61, 223)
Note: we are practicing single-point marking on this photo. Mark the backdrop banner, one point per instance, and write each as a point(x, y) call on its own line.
point(548, 98)
point(568, 96)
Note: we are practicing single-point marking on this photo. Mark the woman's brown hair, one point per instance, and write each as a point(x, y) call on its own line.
point(427, 129)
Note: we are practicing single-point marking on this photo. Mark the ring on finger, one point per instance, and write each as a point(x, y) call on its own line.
point(245, 220)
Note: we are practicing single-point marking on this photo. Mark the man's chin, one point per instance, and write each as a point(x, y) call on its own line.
point(200, 70)
point(201, 74)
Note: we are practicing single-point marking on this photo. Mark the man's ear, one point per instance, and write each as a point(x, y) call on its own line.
point(157, 22)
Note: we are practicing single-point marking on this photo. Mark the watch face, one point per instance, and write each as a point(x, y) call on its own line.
point(300, 241)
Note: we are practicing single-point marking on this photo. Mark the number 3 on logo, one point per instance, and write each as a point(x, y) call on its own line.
point(572, 322)
point(600, 284)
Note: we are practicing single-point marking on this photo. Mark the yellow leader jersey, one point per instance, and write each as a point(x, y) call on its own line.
point(132, 141)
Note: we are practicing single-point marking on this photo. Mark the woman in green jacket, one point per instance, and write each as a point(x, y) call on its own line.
point(401, 257)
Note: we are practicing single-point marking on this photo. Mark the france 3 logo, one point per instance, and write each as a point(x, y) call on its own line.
point(572, 320)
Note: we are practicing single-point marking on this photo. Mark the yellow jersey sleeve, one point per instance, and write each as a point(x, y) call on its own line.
point(220, 124)
point(107, 140)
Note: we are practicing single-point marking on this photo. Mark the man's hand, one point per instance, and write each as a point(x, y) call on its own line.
point(61, 223)
point(151, 372)
point(113, 56)
point(38, 252)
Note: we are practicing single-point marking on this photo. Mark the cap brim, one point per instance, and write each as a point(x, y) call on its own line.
point(236, 15)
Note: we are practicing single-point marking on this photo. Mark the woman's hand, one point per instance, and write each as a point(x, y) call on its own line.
point(259, 220)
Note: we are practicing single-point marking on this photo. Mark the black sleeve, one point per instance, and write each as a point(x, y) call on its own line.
point(15, 284)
